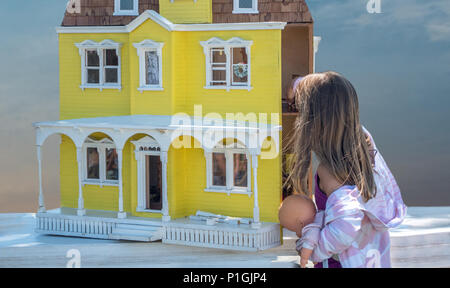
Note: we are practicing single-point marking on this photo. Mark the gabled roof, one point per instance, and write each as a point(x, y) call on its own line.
point(100, 12)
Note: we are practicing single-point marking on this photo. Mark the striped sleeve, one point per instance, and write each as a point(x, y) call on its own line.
point(337, 235)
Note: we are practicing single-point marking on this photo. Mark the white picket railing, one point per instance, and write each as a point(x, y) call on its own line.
point(223, 237)
point(68, 225)
point(183, 233)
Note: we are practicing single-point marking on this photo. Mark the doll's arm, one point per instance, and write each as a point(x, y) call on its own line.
point(336, 236)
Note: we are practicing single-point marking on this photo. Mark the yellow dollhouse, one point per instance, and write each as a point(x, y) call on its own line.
point(170, 119)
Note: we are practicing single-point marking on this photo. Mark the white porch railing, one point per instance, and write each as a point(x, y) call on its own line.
point(178, 231)
point(223, 236)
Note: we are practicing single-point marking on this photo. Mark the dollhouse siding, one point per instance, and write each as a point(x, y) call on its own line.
point(78, 103)
point(190, 75)
point(186, 11)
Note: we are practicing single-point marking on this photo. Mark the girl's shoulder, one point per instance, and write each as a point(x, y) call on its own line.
point(327, 181)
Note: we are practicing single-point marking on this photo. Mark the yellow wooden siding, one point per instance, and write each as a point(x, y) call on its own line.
point(90, 102)
point(186, 11)
point(190, 75)
point(183, 82)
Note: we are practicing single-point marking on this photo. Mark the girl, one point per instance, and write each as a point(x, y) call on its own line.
point(355, 189)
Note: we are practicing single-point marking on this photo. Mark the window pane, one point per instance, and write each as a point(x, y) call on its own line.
point(111, 75)
point(240, 170)
point(240, 66)
point(218, 55)
point(92, 163)
point(151, 68)
point(112, 172)
point(219, 77)
point(219, 169)
point(93, 76)
point(92, 59)
point(245, 3)
point(111, 58)
point(126, 4)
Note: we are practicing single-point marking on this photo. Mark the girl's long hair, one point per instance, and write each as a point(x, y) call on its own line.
point(328, 125)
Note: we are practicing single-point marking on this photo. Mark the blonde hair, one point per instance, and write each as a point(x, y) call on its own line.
point(328, 125)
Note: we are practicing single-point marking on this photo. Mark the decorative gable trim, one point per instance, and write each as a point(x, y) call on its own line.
point(169, 26)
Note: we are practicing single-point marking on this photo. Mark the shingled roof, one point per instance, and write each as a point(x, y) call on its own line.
point(100, 12)
point(291, 11)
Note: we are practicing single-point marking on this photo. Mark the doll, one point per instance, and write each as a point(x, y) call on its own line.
point(296, 212)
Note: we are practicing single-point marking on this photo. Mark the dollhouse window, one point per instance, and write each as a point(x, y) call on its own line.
point(93, 163)
point(126, 7)
point(219, 169)
point(245, 6)
point(150, 65)
point(227, 63)
point(228, 170)
point(101, 166)
point(100, 65)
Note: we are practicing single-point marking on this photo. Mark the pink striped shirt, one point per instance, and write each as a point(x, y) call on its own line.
point(356, 231)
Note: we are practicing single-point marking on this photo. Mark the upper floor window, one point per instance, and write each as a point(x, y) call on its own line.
point(227, 63)
point(150, 64)
point(126, 7)
point(245, 6)
point(100, 64)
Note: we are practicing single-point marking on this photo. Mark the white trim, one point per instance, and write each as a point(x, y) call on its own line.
point(141, 151)
point(227, 45)
point(238, 10)
point(150, 14)
point(143, 47)
point(100, 47)
point(119, 12)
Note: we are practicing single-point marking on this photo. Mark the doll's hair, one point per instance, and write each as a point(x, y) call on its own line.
point(328, 125)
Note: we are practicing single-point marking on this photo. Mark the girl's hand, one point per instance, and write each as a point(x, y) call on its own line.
point(304, 256)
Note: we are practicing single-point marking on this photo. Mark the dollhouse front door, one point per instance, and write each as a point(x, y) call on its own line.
point(153, 183)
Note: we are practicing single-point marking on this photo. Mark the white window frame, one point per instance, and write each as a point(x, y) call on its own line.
point(101, 146)
point(253, 10)
point(234, 42)
point(229, 151)
point(141, 151)
point(100, 47)
point(143, 47)
point(119, 12)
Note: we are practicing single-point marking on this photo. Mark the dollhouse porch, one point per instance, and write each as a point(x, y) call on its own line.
point(182, 231)
point(158, 133)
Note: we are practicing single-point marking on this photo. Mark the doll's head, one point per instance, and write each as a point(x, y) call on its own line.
point(296, 212)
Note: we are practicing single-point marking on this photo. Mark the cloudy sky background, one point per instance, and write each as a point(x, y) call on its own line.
point(398, 61)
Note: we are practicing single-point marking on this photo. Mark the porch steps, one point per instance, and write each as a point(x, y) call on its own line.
point(136, 232)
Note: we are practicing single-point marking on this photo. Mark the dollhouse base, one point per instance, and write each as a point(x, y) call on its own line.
point(183, 231)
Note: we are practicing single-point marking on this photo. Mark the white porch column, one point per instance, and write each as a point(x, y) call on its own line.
point(41, 193)
point(80, 211)
point(121, 213)
point(165, 209)
point(256, 223)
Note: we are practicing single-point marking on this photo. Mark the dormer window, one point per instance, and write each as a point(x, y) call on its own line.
point(245, 6)
point(126, 7)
